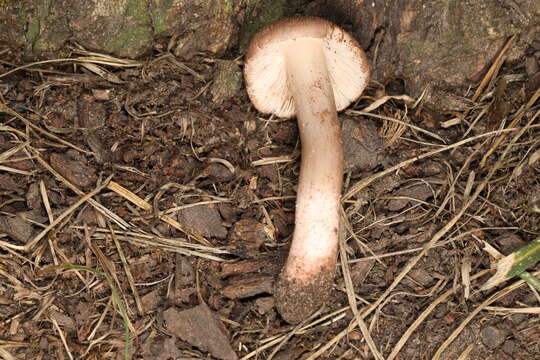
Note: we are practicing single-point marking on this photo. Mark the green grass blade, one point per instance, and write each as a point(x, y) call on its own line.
point(117, 300)
point(525, 258)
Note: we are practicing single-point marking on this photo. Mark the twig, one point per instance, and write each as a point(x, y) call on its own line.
point(128, 195)
point(44, 232)
point(351, 294)
point(129, 275)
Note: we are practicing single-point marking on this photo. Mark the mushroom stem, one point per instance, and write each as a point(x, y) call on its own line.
point(306, 279)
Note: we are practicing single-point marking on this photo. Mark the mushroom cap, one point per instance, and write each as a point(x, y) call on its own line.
point(265, 71)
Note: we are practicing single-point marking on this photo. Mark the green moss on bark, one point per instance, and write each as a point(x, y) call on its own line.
point(267, 13)
point(136, 31)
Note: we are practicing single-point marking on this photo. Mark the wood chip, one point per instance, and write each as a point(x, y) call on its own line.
point(248, 287)
point(269, 264)
point(200, 328)
point(7, 183)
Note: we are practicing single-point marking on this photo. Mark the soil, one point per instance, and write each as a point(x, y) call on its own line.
point(152, 207)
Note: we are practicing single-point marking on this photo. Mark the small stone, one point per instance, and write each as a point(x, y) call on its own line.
point(363, 147)
point(216, 173)
point(509, 242)
point(184, 273)
point(510, 347)
point(227, 212)
point(203, 220)
point(264, 304)
point(88, 216)
point(63, 320)
point(17, 228)
point(360, 271)
point(157, 348)
point(421, 192)
point(493, 337)
point(249, 232)
point(151, 301)
point(91, 113)
point(33, 196)
point(75, 170)
point(421, 276)
point(531, 66)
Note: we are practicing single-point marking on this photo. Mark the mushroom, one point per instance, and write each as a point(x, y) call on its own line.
point(309, 68)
